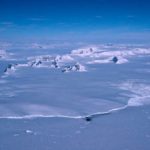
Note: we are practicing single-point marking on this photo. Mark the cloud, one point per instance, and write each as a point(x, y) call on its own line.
point(130, 16)
point(2, 29)
point(6, 23)
point(147, 29)
point(99, 17)
point(37, 19)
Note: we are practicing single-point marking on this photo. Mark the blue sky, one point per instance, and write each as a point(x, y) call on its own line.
point(75, 19)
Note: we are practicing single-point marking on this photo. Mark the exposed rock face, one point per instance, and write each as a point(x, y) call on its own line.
point(38, 63)
point(62, 62)
point(54, 64)
point(35, 63)
point(84, 51)
point(67, 69)
point(88, 119)
point(10, 67)
point(86, 56)
point(76, 67)
point(115, 59)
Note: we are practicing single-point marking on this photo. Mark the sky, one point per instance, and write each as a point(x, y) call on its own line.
point(75, 20)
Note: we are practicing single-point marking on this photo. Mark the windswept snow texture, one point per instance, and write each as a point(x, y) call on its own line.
point(76, 84)
point(90, 98)
point(3, 54)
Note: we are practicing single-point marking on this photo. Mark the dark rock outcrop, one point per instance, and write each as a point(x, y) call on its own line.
point(69, 68)
point(55, 64)
point(115, 59)
point(88, 118)
point(36, 63)
point(10, 67)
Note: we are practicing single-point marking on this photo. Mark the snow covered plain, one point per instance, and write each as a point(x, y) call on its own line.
point(93, 97)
